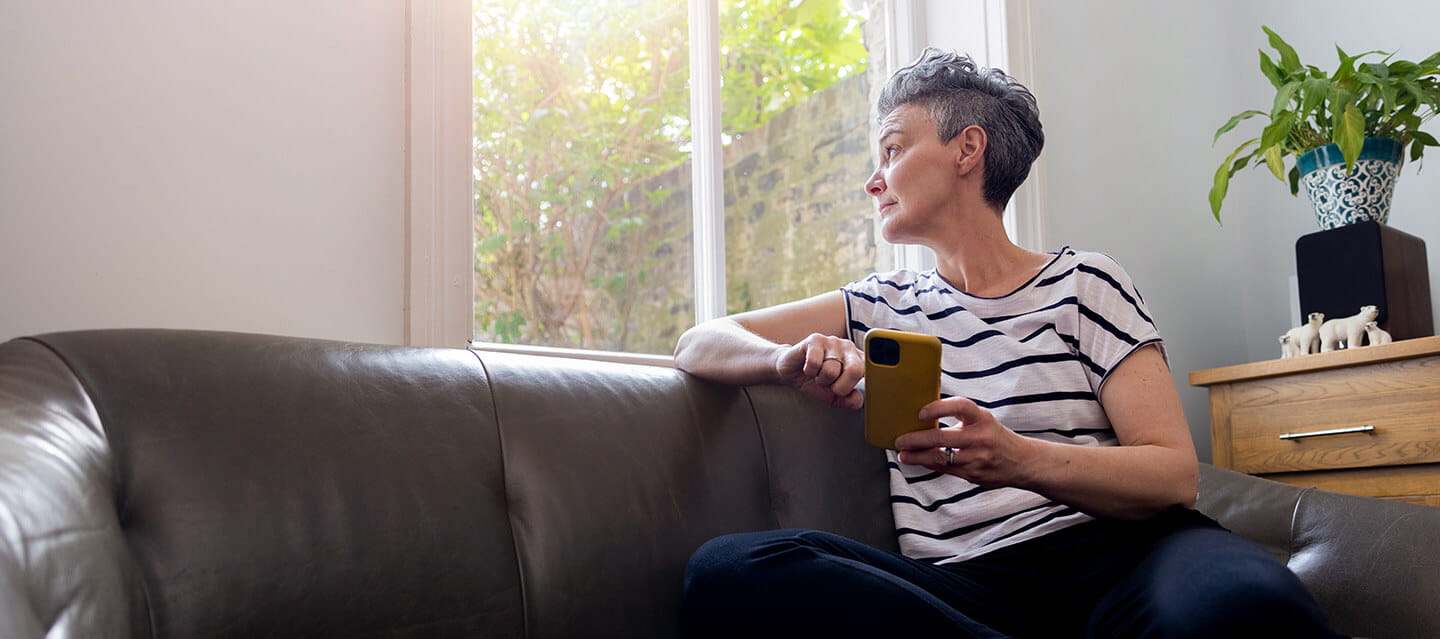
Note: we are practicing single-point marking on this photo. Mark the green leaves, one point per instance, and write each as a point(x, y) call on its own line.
point(1350, 136)
point(1240, 117)
point(1223, 175)
point(1360, 99)
point(1289, 62)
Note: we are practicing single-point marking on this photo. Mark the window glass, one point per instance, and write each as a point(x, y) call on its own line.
point(582, 164)
point(795, 103)
point(580, 127)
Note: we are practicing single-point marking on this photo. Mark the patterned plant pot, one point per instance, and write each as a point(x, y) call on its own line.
point(1364, 195)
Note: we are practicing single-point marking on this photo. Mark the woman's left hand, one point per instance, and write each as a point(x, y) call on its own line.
point(980, 450)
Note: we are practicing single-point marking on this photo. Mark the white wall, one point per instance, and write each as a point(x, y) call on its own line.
point(1131, 92)
point(218, 165)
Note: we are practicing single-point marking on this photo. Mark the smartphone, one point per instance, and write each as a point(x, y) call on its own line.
point(902, 374)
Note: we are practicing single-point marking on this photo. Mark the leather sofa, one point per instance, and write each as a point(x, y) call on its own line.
point(158, 483)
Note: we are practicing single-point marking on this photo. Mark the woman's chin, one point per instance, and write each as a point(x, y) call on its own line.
point(893, 233)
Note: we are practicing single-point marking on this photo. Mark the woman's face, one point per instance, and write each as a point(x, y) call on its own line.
point(915, 176)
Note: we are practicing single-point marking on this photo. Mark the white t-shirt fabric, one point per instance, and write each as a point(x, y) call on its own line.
point(1036, 358)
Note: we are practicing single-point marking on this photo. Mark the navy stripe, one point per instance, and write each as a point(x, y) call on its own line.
point(916, 479)
point(905, 287)
point(973, 339)
point(1041, 331)
point(911, 310)
point(1037, 398)
point(1086, 268)
point(1063, 512)
point(898, 287)
point(1104, 276)
point(899, 499)
point(964, 530)
point(1072, 433)
point(1090, 364)
point(939, 315)
point(1005, 318)
point(1100, 321)
point(1050, 281)
point(1048, 358)
point(857, 325)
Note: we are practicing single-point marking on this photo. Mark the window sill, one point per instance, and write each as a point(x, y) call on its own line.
point(575, 353)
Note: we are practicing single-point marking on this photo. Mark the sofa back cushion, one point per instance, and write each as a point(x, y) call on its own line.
point(275, 487)
point(617, 473)
point(233, 485)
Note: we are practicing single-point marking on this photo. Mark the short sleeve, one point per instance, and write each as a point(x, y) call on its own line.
point(1114, 321)
point(871, 302)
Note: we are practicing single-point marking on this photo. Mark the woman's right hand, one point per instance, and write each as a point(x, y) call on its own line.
point(824, 367)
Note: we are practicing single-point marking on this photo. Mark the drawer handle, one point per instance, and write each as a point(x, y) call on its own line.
point(1333, 431)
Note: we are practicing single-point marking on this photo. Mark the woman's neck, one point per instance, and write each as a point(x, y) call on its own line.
point(985, 263)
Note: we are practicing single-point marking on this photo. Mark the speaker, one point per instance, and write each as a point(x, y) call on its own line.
point(1366, 263)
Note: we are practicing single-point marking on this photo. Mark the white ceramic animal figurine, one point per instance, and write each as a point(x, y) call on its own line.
point(1376, 335)
point(1346, 330)
point(1305, 338)
point(1288, 347)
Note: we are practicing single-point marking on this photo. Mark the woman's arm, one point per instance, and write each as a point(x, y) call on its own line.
point(801, 344)
point(1152, 469)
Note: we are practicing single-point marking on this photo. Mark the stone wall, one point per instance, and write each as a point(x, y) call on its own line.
point(797, 219)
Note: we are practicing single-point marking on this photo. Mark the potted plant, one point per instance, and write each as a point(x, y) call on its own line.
point(1348, 130)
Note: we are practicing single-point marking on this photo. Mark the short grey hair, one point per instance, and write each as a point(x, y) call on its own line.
point(959, 93)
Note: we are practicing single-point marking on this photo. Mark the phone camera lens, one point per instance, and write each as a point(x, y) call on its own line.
point(884, 351)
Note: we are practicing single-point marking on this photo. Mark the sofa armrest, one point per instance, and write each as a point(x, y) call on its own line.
point(65, 570)
point(1371, 563)
point(1254, 508)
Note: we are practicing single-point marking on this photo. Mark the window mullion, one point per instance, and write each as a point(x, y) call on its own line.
point(706, 161)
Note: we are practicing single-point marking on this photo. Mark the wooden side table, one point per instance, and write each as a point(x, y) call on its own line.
point(1364, 421)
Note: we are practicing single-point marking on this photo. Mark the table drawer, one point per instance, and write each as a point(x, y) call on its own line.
point(1406, 430)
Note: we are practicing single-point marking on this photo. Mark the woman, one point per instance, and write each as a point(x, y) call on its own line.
point(1057, 498)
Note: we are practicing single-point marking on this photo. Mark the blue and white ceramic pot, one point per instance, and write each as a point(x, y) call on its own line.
point(1362, 196)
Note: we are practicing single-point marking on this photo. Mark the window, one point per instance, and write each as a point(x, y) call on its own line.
point(585, 154)
point(647, 275)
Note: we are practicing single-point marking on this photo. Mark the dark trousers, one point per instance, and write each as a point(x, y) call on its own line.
point(1178, 575)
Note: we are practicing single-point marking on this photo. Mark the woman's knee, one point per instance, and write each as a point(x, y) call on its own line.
point(1240, 599)
point(1209, 583)
point(734, 560)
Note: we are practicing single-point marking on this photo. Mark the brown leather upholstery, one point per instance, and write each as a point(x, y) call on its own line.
point(198, 484)
point(1372, 564)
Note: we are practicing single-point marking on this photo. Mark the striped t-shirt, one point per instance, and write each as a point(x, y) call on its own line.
point(1036, 358)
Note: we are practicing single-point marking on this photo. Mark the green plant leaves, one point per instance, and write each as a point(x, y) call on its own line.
point(1278, 129)
point(1274, 160)
point(1350, 136)
point(1222, 177)
point(1284, 96)
point(1240, 117)
point(1361, 98)
point(1267, 67)
point(1313, 92)
point(1288, 60)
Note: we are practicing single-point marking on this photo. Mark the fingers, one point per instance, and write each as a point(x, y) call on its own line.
point(965, 410)
point(833, 363)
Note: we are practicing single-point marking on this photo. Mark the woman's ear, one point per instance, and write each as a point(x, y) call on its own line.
point(970, 149)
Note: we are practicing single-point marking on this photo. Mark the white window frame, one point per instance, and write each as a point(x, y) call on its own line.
point(439, 204)
point(439, 223)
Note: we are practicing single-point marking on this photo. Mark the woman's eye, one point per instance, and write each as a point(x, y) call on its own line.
point(891, 150)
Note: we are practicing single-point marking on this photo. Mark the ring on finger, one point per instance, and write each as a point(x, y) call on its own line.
point(830, 357)
point(949, 456)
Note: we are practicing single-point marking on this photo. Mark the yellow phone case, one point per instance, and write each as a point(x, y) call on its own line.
point(902, 374)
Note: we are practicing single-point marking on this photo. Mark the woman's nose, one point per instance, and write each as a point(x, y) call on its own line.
point(876, 184)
